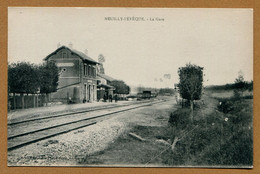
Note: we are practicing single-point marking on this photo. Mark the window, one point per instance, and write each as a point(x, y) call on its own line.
point(89, 70)
point(92, 73)
point(85, 69)
point(64, 55)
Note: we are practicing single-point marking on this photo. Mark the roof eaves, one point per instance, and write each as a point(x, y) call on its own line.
point(106, 77)
point(47, 57)
point(83, 56)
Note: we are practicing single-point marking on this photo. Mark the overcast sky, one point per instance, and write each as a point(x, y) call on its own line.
point(140, 52)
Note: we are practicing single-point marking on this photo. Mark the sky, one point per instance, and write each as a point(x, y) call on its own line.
point(140, 52)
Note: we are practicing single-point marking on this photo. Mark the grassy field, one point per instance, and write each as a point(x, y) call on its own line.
point(221, 138)
point(224, 133)
point(226, 93)
point(221, 135)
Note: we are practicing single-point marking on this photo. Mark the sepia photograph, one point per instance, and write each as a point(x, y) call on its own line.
point(130, 87)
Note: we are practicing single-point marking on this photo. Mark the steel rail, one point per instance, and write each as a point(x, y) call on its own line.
point(70, 113)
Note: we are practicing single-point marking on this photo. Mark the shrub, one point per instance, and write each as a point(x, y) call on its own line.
point(225, 106)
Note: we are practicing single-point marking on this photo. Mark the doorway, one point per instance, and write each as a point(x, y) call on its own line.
point(89, 93)
point(85, 93)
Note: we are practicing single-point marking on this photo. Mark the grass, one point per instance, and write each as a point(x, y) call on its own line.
point(228, 94)
point(222, 138)
point(128, 151)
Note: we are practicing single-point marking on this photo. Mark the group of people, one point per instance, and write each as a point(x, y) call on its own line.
point(110, 98)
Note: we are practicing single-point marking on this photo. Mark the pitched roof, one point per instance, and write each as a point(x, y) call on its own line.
point(104, 76)
point(106, 86)
point(80, 54)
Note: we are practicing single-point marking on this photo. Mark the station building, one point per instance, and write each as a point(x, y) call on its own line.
point(77, 75)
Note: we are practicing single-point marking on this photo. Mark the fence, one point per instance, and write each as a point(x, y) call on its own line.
point(22, 101)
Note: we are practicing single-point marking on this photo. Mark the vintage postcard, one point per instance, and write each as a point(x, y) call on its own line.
point(130, 87)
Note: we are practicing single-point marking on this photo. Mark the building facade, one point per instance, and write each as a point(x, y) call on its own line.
point(77, 75)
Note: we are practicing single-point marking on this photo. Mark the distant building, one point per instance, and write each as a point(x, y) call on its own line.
point(77, 75)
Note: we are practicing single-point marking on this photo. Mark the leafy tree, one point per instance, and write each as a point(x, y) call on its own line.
point(121, 87)
point(190, 84)
point(22, 78)
point(250, 85)
point(27, 78)
point(49, 76)
point(13, 77)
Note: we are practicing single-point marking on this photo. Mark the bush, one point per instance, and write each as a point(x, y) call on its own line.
point(225, 106)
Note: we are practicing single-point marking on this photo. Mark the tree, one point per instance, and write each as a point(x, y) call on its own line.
point(22, 78)
point(49, 76)
point(250, 86)
point(190, 84)
point(121, 87)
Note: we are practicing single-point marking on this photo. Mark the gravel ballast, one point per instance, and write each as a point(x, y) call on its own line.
point(69, 148)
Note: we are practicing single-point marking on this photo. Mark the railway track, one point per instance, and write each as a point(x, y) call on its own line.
point(20, 139)
point(11, 123)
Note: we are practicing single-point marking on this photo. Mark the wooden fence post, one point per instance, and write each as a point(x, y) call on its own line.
point(26, 101)
point(22, 101)
point(37, 100)
point(14, 101)
point(45, 99)
point(33, 100)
